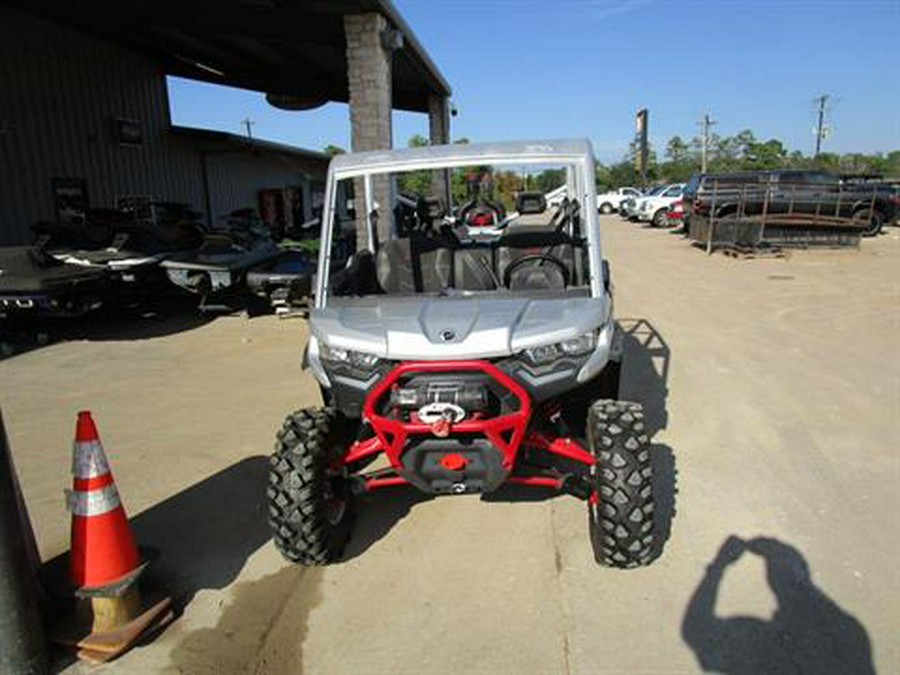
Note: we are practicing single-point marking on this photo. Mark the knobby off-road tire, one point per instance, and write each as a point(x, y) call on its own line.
point(621, 520)
point(311, 506)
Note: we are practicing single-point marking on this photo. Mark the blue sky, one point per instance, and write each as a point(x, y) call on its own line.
point(543, 68)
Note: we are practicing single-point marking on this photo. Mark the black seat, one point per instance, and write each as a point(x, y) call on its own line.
point(414, 264)
point(473, 269)
point(540, 242)
point(357, 278)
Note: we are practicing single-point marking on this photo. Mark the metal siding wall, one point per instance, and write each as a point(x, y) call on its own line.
point(236, 178)
point(59, 94)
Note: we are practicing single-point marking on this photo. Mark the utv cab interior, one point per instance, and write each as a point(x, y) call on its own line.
point(429, 250)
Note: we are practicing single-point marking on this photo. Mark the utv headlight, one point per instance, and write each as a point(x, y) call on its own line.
point(583, 344)
point(359, 360)
point(579, 346)
point(542, 355)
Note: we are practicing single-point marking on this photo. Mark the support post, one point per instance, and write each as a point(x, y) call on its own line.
point(439, 132)
point(21, 632)
point(371, 42)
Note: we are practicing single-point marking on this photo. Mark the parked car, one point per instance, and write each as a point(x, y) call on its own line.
point(628, 207)
point(792, 196)
point(608, 202)
point(675, 214)
point(652, 208)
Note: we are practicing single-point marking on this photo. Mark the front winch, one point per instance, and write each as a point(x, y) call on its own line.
point(469, 396)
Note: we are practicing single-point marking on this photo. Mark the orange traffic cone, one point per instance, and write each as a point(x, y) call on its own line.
point(103, 548)
point(104, 564)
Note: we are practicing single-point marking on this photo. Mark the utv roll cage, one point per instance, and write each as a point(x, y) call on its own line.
point(575, 155)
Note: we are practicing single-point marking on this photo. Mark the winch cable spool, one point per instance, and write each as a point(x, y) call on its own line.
point(469, 396)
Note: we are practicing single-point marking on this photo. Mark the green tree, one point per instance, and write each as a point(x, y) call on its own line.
point(621, 174)
point(767, 155)
point(415, 183)
point(549, 179)
point(682, 163)
point(332, 150)
point(678, 151)
point(892, 164)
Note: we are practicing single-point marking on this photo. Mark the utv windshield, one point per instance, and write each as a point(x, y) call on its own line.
point(463, 230)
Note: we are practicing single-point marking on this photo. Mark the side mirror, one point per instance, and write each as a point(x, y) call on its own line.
point(607, 275)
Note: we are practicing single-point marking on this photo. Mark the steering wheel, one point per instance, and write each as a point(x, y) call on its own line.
point(539, 259)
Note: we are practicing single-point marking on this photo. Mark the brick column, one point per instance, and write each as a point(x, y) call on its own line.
point(369, 74)
point(439, 133)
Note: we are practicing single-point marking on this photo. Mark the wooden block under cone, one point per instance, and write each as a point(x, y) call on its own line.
point(102, 647)
point(98, 646)
point(107, 613)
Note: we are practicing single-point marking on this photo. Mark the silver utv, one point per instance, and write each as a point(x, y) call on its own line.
point(463, 338)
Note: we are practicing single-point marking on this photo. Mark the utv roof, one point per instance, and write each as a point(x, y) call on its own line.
point(474, 153)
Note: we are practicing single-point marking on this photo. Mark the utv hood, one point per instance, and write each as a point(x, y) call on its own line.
point(429, 328)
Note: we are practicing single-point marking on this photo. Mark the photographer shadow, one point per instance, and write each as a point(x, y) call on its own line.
point(808, 633)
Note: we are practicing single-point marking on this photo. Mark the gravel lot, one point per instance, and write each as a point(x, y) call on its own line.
point(774, 389)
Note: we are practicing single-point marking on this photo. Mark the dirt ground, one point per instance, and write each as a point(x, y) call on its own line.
point(774, 390)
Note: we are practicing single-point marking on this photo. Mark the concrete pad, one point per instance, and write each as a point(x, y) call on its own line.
point(774, 390)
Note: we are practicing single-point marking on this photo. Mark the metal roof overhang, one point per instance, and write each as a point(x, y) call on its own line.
point(289, 48)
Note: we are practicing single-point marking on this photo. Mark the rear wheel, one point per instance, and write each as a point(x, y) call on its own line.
point(659, 218)
point(872, 219)
point(606, 208)
point(621, 516)
point(311, 506)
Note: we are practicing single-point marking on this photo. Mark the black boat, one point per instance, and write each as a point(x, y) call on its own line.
point(34, 283)
point(218, 268)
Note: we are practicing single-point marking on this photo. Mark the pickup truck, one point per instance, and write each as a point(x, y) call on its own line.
point(609, 202)
point(791, 196)
point(652, 208)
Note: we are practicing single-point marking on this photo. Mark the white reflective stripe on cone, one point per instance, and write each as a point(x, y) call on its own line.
point(93, 502)
point(89, 460)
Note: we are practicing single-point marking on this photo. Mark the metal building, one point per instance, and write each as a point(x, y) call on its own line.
point(84, 109)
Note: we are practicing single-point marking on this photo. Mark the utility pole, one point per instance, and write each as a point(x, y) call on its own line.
point(705, 125)
point(821, 129)
point(247, 122)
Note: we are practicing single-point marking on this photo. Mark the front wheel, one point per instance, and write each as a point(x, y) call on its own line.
point(621, 512)
point(311, 506)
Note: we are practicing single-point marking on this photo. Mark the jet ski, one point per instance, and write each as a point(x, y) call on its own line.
point(34, 283)
point(286, 281)
point(219, 266)
point(136, 245)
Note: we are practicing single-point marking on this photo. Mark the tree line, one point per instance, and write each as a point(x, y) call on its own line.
point(682, 159)
point(741, 152)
